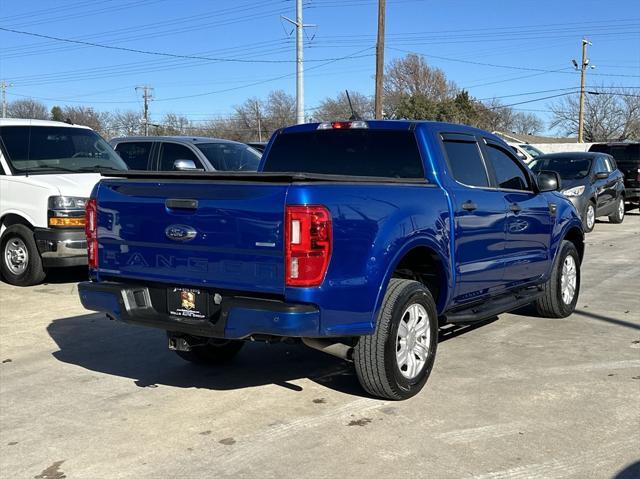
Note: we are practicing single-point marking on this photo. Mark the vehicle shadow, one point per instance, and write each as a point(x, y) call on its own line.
point(95, 343)
point(66, 275)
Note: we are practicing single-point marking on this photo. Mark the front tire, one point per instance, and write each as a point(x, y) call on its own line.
point(395, 361)
point(560, 293)
point(618, 215)
point(215, 351)
point(20, 264)
point(589, 217)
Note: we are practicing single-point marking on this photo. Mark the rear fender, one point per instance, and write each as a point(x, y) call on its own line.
point(445, 271)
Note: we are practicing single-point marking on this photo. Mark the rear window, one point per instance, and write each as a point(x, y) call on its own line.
point(623, 154)
point(377, 153)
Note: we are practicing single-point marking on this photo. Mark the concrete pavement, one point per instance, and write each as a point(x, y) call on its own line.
point(520, 397)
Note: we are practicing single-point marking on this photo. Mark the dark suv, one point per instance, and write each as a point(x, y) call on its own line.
point(627, 156)
point(175, 153)
point(591, 181)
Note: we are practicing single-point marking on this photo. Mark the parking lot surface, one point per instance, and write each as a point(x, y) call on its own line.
point(519, 397)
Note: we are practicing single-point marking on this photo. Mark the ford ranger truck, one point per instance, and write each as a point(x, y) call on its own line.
point(356, 238)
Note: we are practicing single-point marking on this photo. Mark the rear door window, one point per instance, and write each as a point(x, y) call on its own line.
point(357, 152)
point(135, 154)
point(173, 151)
point(465, 163)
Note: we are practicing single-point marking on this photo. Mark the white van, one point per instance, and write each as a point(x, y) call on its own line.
point(47, 171)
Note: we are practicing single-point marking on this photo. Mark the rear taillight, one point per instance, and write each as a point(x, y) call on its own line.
point(91, 231)
point(307, 245)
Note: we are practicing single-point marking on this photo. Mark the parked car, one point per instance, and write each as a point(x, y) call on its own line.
point(258, 145)
point(627, 156)
point(355, 238)
point(591, 181)
point(47, 172)
point(524, 151)
point(172, 153)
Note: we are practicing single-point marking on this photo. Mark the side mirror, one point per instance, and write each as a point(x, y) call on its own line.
point(548, 181)
point(182, 165)
point(601, 175)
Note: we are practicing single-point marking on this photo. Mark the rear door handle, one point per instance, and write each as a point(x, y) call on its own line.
point(515, 207)
point(469, 205)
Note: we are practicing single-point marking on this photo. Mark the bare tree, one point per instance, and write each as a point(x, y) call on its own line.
point(125, 123)
point(607, 116)
point(28, 108)
point(338, 108)
point(526, 123)
point(413, 76)
point(280, 110)
point(87, 116)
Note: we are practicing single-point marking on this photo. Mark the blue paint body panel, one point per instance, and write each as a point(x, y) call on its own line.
point(239, 247)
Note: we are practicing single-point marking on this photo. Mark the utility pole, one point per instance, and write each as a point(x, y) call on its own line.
point(379, 60)
point(583, 70)
point(299, 60)
point(3, 86)
point(259, 125)
point(146, 96)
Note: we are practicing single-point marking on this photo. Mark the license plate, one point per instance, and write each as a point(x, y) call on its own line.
point(187, 303)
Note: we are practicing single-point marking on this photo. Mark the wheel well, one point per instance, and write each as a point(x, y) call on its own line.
point(423, 264)
point(11, 219)
point(577, 238)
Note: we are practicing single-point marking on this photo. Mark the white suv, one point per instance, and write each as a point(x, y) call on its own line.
point(47, 171)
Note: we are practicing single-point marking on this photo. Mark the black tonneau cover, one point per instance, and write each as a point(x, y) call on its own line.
point(286, 177)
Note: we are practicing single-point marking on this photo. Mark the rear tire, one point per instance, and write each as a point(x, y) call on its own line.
point(560, 293)
point(395, 361)
point(589, 217)
point(20, 264)
point(216, 351)
point(618, 215)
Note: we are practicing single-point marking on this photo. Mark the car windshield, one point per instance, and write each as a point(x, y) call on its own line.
point(568, 168)
point(55, 149)
point(230, 156)
point(532, 150)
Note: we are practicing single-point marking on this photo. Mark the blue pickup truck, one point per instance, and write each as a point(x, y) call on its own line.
point(356, 238)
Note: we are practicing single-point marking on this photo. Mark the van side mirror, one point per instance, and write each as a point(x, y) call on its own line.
point(601, 175)
point(548, 181)
point(182, 165)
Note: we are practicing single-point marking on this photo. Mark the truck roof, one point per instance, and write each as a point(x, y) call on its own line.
point(405, 125)
point(29, 122)
point(177, 138)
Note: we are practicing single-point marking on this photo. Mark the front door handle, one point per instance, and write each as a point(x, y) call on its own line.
point(469, 205)
point(515, 207)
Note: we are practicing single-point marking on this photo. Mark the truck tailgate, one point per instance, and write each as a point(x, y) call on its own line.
point(144, 230)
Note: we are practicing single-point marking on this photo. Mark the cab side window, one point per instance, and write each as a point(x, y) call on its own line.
point(465, 162)
point(171, 152)
point(135, 154)
point(509, 173)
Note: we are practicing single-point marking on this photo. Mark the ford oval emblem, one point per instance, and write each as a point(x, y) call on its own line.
point(180, 232)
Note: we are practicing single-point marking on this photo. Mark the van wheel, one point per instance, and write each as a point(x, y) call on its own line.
point(395, 361)
point(560, 293)
point(216, 351)
point(618, 215)
point(21, 264)
point(589, 217)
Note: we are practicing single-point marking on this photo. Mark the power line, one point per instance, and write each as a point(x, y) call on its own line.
point(150, 52)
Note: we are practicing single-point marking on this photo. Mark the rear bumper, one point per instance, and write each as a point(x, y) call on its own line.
point(61, 247)
point(236, 318)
